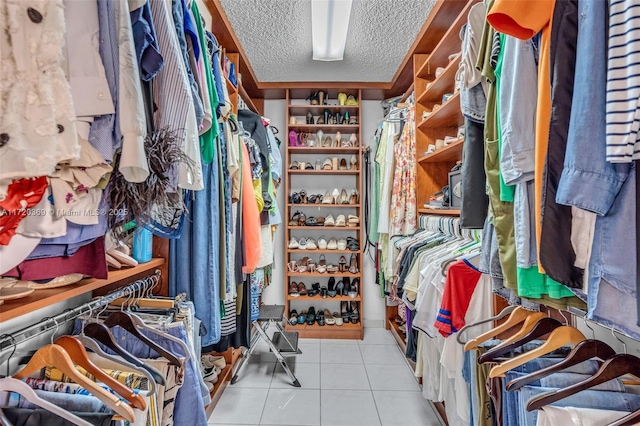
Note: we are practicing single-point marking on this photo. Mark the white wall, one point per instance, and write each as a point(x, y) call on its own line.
point(374, 307)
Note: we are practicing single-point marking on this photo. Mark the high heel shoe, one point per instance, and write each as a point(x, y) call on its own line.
point(353, 163)
point(340, 288)
point(322, 265)
point(343, 197)
point(343, 164)
point(354, 290)
point(344, 311)
point(293, 138)
point(353, 199)
point(292, 266)
point(338, 138)
point(331, 287)
point(354, 315)
point(320, 138)
point(335, 194)
point(327, 199)
point(304, 265)
point(303, 196)
point(313, 98)
point(342, 264)
point(322, 96)
point(353, 140)
point(353, 264)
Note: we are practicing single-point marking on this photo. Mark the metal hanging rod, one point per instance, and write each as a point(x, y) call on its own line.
point(51, 323)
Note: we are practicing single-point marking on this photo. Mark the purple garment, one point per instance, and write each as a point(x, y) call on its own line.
point(144, 37)
point(89, 260)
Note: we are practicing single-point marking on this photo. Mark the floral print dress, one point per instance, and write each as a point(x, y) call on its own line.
point(403, 196)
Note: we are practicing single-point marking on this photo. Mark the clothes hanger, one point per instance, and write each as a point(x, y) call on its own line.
point(79, 356)
point(506, 311)
point(541, 328)
point(4, 421)
point(9, 384)
point(558, 338)
point(103, 335)
point(614, 367)
point(56, 356)
point(583, 351)
point(517, 316)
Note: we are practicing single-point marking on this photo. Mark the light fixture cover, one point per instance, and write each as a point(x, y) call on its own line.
point(330, 25)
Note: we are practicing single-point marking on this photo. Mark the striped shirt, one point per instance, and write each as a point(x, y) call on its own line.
point(623, 82)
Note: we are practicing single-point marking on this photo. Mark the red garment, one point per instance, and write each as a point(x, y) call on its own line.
point(89, 260)
point(462, 278)
point(250, 218)
point(21, 195)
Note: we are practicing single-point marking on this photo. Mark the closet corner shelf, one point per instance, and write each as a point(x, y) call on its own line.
point(441, 212)
point(247, 100)
point(395, 331)
point(407, 93)
point(326, 128)
point(218, 388)
point(324, 172)
point(323, 150)
point(441, 85)
point(41, 298)
point(451, 152)
point(345, 331)
point(301, 110)
point(448, 115)
point(231, 88)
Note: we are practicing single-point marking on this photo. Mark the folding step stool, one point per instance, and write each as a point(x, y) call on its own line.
point(282, 341)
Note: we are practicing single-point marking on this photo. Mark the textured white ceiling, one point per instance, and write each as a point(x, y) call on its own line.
point(276, 37)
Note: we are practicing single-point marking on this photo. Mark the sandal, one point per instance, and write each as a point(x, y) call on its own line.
point(342, 265)
point(353, 292)
point(353, 140)
point(353, 244)
point(342, 244)
point(322, 265)
point(343, 197)
point(329, 220)
point(295, 219)
point(341, 221)
point(327, 198)
point(354, 314)
point(332, 269)
point(334, 163)
point(303, 196)
point(344, 310)
point(292, 266)
point(295, 198)
point(353, 220)
point(353, 264)
point(328, 142)
point(304, 265)
point(293, 138)
point(351, 100)
point(311, 265)
point(293, 289)
point(302, 219)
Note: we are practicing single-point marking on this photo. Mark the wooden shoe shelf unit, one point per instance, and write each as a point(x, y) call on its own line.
point(433, 168)
point(319, 182)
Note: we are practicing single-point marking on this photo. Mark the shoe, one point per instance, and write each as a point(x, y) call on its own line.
point(322, 243)
point(353, 164)
point(302, 244)
point(342, 244)
point(353, 140)
point(353, 199)
point(294, 166)
point(318, 165)
point(311, 221)
point(302, 318)
point(322, 265)
point(342, 98)
point(355, 284)
point(315, 289)
point(322, 96)
point(344, 310)
point(353, 121)
point(292, 266)
point(293, 317)
point(343, 197)
point(351, 100)
point(334, 163)
point(328, 118)
point(320, 318)
point(311, 316)
point(326, 164)
point(337, 318)
point(303, 197)
point(302, 289)
point(331, 287)
point(329, 220)
point(342, 264)
point(338, 138)
point(355, 313)
point(320, 138)
point(353, 264)
point(341, 220)
point(309, 117)
point(293, 243)
point(327, 199)
point(311, 245)
point(328, 317)
point(303, 265)
point(343, 164)
point(333, 244)
point(310, 141)
point(209, 361)
point(335, 195)
point(320, 221)
point(293, 289)
point(293, 138)
point(340, 290)
point(324, 292)
point(328, 142)
point(313, 98)
point(352, 221)
point(353, 244)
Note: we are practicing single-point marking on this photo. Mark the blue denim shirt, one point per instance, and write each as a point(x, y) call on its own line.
point(144, 37)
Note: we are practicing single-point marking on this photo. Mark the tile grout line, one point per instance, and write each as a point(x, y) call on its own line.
point(366, 372)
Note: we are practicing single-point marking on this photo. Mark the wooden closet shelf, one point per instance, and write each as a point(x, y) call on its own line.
point(316, 110)
point(441, 212)
point(331, 228)
point(447, 115)
point(231, 88)
point(324, 172)
point(321, 299)
point(337, 206)
point(445, 83)
point(323, 150)
point(42, 298)
point(315, 331)
point(328, 275)
point(326, 128)
point(451, 152)
point(449, 43)
point(323, 251)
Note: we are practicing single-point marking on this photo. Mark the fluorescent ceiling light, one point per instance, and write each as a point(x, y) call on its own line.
point(330, 24)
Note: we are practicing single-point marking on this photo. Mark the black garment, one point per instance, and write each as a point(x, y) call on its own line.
point(252, 123)
point(475, 201)
point(41, 417)
point(556, 251)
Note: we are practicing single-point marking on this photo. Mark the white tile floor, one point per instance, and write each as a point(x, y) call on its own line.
point(344, 382)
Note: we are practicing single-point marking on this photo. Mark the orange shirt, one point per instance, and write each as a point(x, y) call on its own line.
point(250, 217)
point(523, 19)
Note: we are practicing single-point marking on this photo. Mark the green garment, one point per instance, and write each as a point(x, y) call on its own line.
point(208, 138)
